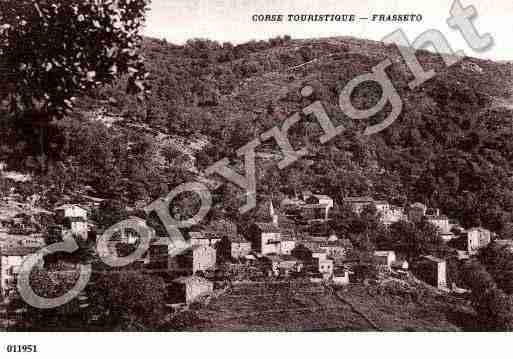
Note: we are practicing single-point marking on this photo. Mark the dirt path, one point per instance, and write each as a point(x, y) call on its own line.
point(356, 310)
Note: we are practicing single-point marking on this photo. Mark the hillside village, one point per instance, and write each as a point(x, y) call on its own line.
point(294, 245)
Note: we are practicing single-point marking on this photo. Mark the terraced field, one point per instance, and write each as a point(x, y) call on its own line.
point(304, 306)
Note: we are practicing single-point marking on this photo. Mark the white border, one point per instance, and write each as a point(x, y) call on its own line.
point(260, 345)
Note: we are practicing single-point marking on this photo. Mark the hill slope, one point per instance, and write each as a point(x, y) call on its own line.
point(449, 147)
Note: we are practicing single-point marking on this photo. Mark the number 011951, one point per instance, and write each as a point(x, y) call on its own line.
point(11, 348)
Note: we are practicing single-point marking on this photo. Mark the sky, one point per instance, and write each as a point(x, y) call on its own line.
point(231, 20)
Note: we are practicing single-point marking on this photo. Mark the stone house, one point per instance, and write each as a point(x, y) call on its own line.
point(71, 211)
point(239, 247)
point(448, 237)
point(188, 289)
point(162, 251)
point(199, 239)
point(316, 206)
point(222, 227)
point(203, 238)
point(416, 212)
point(357, 204)
point(8, 240)
point(307, 250)
point(74, 219)
point(485, 236)
point(131, 235)
point(194, 259)
point(388, 213)
point(282, 264)
point(440, 221)
point(385, 258)
point(21, 223)
point(325, 266)
point(265, 238)
point(314, 257)
point(340, 277)
point(324, 199)
point(158, 254)
point(336, 250)
point(382, 206)
point(401, 265)
point(468, 241)
point(472, 240)
point(11, 260)
point(79, 228)
point(314, 212)
point(432, 270)
point(287, 242)
point(392, 215)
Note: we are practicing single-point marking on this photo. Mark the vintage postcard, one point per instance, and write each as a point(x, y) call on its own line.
point(255, 166)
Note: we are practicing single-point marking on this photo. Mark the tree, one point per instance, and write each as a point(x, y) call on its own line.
point(413, 239)
point(499, 263)
point(54, 284)
point(475, 276)
point(174, 157)
point(51, 51)
point(110, 213)
point(494, 308)
point(342, 219)
point(129, 300)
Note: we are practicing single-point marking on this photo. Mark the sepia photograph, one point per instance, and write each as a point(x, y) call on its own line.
point(254, 167)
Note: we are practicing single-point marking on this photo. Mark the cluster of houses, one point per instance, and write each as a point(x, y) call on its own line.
point(282, 246)
point(22, 236)
point(431, 269)
point(465, 240)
